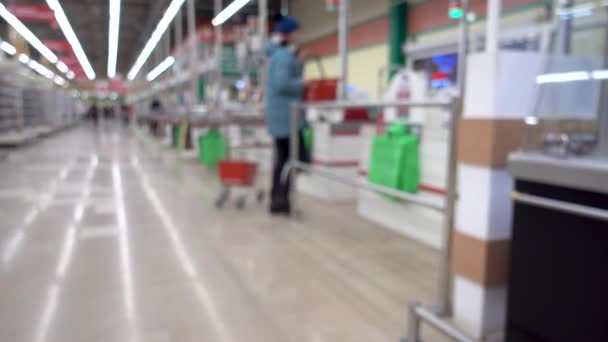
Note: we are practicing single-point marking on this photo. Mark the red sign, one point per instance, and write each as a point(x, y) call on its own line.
point(34, 12)
point(119, 86)
point(58, 45)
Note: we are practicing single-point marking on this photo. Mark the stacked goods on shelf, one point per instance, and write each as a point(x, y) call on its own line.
point(11, 102)
point(47, 106)
point(34, 104)
point(51, 115)
point(63, 109)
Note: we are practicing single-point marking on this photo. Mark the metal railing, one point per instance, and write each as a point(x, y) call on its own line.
point(557, 205)
point(419, 313)
point(443, 305)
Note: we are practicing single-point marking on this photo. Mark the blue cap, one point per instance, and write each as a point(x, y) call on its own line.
point(288, 25)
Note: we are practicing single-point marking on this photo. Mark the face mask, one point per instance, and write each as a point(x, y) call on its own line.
point(276, 38)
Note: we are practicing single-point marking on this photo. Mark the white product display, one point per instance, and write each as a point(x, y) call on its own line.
point(336, 144)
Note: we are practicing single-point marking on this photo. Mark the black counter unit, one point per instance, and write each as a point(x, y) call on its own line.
point(558, 284)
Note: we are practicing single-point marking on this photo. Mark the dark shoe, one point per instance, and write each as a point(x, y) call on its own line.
point(280, 206)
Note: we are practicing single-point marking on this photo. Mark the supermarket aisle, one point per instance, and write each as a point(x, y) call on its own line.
point(105, 237)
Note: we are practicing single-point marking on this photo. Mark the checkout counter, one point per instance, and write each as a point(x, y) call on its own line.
point(558, 286)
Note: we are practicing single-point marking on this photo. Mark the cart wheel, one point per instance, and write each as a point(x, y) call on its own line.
point(261, 196)
point(240, 202)
point(222, 198)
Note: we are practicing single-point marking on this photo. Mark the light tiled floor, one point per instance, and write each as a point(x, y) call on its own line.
point(105, 237)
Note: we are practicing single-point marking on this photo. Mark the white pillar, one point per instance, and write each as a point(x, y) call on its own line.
point(343, 36)
point(192, 46)
point(179, 36)
point(263, 34)
point(263, 18)
point(219, 46)
point(493, 26)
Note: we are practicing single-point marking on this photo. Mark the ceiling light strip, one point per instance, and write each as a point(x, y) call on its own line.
point(62, 67)
point(8, 48)
point(162, 67)
point(23, 58)
point(27, 34)
point(71, 37)
point(113, 37)
point(160, 29)
point(229, 11)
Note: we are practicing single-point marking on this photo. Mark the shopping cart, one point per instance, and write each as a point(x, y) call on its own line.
point(238, 174)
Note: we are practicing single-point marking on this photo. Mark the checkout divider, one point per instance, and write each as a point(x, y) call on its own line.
point(418, 313)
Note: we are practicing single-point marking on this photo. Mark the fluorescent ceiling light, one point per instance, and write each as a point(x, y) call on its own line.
point(229, 11)
point(162, 67)
point(563, 77)
point(155, 38)
point(113, 37)
point(70, 75)
point(27, 34)
point(23, 58)
point(41, 69)
point(59, 81)
point(8, 48)
point(62, 67)
point(600, 75)
point(71, 37)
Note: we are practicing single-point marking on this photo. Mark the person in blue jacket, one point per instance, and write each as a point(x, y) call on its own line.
point(284, 86)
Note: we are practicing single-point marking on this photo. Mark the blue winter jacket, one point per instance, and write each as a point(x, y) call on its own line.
point(283, 87)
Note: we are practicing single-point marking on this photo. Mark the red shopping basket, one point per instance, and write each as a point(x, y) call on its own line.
point(237, 172)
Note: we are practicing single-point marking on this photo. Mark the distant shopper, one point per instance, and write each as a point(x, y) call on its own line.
point(284, 86)
point(94, 114)
point(156, 108)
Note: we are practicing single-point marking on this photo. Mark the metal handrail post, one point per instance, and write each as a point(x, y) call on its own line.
point(294, 155)
point(463, 49)
point(413, 325)
point(445, 282)
point(193, 53)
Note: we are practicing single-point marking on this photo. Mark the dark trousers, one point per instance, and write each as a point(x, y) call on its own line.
point(281, 158)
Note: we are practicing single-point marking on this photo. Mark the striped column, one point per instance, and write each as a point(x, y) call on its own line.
point(488, 132)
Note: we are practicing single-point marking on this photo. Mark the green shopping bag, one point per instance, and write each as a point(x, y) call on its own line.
point(177, 134)
point(307, 135)
point(212, 147)
point(395, 161)
point(410, 172)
